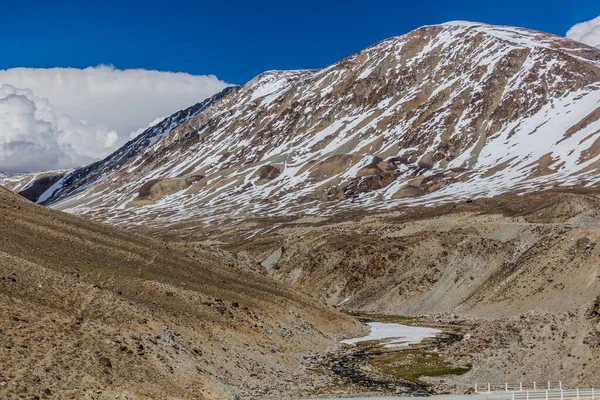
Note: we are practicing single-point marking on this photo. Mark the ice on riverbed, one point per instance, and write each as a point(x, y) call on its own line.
point(399, 335)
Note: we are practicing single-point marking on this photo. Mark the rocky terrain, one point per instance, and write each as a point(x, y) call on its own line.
point(446, 112)
point(516, 276)
point(450, 173)
point(481, 258)
point(92, 311)
point(520, 274)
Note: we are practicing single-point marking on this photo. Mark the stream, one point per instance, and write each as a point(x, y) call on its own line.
point(393, 357)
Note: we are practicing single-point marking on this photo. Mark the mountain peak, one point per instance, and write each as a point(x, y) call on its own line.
point(462, 23)
point(443, 113)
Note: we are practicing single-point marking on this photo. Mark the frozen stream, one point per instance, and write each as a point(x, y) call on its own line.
point(399, 335)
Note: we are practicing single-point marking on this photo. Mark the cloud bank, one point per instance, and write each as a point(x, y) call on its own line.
point(64, 117)
point(586, 32)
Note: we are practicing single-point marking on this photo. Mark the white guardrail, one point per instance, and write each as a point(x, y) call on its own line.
point(517, 387)
point(524, 391)
point(556, 394)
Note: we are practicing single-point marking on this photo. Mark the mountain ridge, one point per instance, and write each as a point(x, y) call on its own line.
point(92, 172)
point(443, 113)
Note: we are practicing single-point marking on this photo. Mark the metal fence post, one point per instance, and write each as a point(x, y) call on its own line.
point(489, 388)
point(513, 395)
point(560, 384)
point(475, 388)
point(520, 386)
point(562, 393)
point(546, 394)
point(592, 393)
point(506, 387)
point(548, 385)
point(527, 395)
point(534, 387)
point(577, 392)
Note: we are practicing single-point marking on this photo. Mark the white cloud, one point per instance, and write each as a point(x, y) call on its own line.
point(142, 129)
point(64, 117)
point(586, 32)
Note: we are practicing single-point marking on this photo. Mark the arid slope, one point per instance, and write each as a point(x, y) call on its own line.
point(492, 257)
point(88, 310)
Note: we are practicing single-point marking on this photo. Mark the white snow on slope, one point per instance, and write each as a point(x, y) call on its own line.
point(297, 121)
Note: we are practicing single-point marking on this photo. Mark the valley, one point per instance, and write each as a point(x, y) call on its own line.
point(518, 274)
point(445, 179)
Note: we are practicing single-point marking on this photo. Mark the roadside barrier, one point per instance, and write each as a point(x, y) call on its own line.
point(535, 391)
point(517, 387)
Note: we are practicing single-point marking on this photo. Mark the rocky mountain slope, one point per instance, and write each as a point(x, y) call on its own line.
point(521, 272)
point(489, 258)
point(92, 311)
point(446, 112)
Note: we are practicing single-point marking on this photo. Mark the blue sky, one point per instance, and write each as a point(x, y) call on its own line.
point(107, 90)
point(237, 40)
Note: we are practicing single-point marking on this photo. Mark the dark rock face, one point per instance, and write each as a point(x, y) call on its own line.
point(267, 173)
point(33, 191)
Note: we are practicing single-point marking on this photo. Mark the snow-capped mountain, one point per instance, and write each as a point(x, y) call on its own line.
point(82, 178)
point(16, 182)
point(446, 112)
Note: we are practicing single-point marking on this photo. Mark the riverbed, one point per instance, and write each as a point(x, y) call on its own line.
point(399, 335)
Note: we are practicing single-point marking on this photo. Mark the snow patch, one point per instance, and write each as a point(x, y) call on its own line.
point(400, 335)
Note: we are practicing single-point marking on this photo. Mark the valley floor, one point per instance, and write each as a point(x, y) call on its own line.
point(521, 274)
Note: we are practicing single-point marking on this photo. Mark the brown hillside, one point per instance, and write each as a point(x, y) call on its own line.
point(88, 310)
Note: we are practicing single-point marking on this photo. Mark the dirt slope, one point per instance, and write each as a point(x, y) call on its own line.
point(91, 311)
point(494, 258)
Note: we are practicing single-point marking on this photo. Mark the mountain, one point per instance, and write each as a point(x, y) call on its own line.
point(90, 309)
point(447, 112)
point(30, 185)
point(303, 176)
point(81, 178)
point(17, 181)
